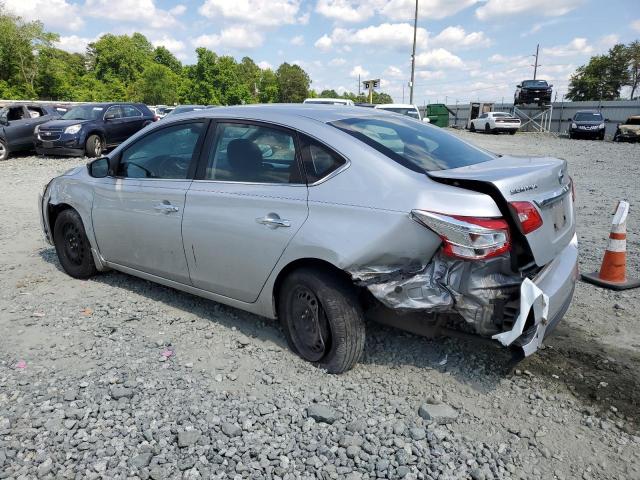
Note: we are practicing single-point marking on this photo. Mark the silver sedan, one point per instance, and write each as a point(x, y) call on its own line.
point(323, 217)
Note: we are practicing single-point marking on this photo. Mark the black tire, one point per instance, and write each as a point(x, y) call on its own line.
point(512, 132)
point(4, 150)
point(570, 136)
point(472, 127)
point(72, 245)
point(335, 334)
point(601, 137)
point(94, 146)
point(487, 128)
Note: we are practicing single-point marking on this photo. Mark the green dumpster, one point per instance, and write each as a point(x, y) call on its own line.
point(438, 114)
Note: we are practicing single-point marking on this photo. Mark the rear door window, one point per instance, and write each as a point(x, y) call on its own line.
point(319, 160)
point(131, 111)
point(419, 147)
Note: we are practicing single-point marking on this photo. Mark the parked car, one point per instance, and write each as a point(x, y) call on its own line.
point(318, 215)
point(17, 122)
point(403, 109)
point(495, 122)
point(184, 109)
point(91, 128)
point(628, 131)
point(328, 101)
point(587, 124)
point(533, 91)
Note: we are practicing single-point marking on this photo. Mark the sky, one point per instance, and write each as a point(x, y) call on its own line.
point(466, 49)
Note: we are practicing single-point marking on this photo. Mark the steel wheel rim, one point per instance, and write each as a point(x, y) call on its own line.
point(97, 147)
point(309, 326)
point(73, 243)
point(3, 150)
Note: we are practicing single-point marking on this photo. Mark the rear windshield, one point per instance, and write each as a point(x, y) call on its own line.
point(84, 112)
point(415, 145)
point(588, 117)
point(409, 112)
point(534, 83)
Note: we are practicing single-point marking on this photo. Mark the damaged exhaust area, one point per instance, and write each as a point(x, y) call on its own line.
point(484, 293)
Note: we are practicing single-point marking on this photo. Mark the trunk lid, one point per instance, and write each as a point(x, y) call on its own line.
point(544, 182)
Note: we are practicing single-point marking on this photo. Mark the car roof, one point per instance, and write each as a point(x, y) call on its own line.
point(288, 112)
point(588, 111)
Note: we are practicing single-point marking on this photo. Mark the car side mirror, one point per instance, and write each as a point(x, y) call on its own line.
point(109, 116)
point(518, 86)
point(551, 85)
point(569, 119)
point(4, 121)
point(99, 168)
point(607, 120)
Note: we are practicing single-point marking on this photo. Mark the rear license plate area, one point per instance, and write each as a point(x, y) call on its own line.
point(559, 215)
point(46, 144)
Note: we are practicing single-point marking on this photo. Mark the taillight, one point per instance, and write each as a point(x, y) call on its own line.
point(527, 215)
point(156, 118)
point(467, 237)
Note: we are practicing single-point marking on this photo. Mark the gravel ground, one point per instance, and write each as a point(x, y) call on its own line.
point(120, 378)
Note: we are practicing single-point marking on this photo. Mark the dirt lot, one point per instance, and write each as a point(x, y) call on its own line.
point(117, 377)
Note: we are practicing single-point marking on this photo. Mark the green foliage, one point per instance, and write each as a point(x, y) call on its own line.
point(129, 67)
point(293, 83)
point(605, 75)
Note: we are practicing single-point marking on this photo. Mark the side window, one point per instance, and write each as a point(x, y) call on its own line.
point(131, 111)
point(319, 161)
point(116, 111)
point(253, 153)
point(166, 153)
point(35, 112)
point(15, 113)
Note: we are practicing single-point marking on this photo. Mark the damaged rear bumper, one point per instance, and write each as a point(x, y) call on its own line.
point(493, 301)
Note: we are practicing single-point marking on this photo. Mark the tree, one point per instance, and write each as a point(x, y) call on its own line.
point(329, 94)
point(633, 50)
point(163, 56)
point(602, 78)
point(121, 56)
point(268, 87)
point(158, 85)
point(293, 83)
point(59, 74)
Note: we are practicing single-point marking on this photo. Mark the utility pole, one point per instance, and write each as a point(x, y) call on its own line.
point(413, 54)
point(403, 93)
point(535, 66)
point(358, 84)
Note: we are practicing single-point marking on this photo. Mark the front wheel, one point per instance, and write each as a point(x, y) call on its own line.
point(512, 132)
point(4, 150)
point(322, 318)
point(72, 245)
point(472, 127)
point(94, 146)
point(487, 128)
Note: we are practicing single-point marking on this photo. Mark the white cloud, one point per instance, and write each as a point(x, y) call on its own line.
point(265, 65)
point(175, 46)
point(324, 43)
point(337, 62)
point(178, 9)
point(53, 13)
point(266, 13)
point(427, 9)
point(345, 10)
point(577, 46)
point(439, 58)
point(635, 25)
point(358, 70)
point(386, 35)
point(298, 40)
point(232, 37)
point(455, 37)
point(74, 43)
point(548, 8)
point(393, 72)
point(608, 41)
point(132, 11)
point(430, 74)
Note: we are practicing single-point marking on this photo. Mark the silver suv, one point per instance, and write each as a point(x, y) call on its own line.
point(320, 215)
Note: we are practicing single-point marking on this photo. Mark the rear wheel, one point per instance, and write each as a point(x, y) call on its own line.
point(72, 245)
point(4, 150)
point(94, 146)
point(322, 319)
point(512, 132)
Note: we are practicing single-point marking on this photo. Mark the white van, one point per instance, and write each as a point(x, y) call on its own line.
point(403, 109)
point(329, 101)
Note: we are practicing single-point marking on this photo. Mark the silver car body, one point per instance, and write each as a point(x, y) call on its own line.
point(205, 237)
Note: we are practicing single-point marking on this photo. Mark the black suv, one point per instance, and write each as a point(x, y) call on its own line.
point(533, 91)
point(587, 124)
point(17, 122)
point(91, 128)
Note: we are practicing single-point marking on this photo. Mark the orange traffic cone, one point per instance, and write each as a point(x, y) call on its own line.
point(613, 271)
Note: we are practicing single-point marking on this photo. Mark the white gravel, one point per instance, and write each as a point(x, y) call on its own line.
point(119, 378)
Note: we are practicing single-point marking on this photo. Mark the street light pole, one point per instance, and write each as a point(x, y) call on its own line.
point(535, 67)
point(413, 54)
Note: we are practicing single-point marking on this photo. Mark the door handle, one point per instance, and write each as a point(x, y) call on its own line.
point(273, 221)
point(166, 207)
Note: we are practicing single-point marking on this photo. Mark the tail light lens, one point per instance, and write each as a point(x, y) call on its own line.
point(470, 238)
point(156, 118)
point(528, 216)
